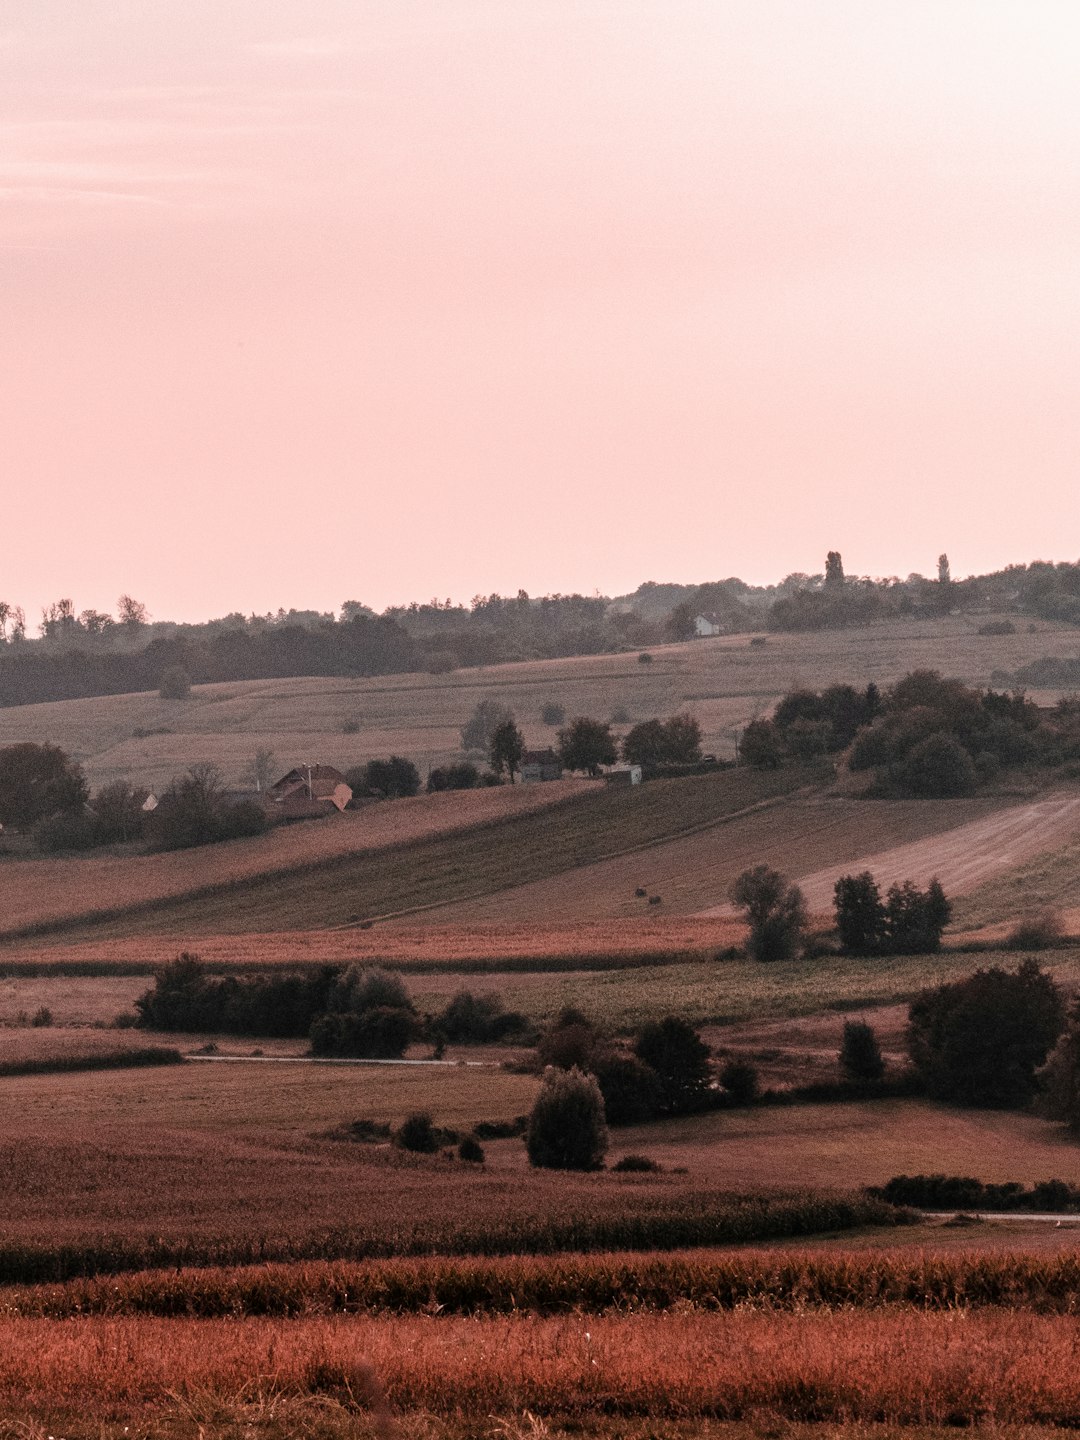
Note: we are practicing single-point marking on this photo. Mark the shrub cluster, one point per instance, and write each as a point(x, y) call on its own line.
point(470, 1019)
point(391, 779)
point(675, 741)
point(980, 1041)
point(956, 1192)
point(453, 777)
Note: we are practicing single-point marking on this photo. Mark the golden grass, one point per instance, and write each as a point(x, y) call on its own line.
point(723, 681)
point(894, 1365)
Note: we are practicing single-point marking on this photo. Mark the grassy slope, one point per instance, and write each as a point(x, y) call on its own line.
point(723, 681)
point(472, 861)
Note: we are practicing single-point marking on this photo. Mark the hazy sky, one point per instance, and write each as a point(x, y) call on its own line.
point(307, 300)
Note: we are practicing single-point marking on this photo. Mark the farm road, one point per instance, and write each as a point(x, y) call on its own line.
point(962, 858)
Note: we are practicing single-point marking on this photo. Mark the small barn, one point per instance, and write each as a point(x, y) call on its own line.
point(708, 625)
point(308, 790)
point(539, 765)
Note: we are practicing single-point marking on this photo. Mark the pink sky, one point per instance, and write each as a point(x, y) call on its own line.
point(385, 299)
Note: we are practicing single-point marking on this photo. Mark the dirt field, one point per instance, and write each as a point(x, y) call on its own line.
point(981, 852)
point(723, 681)
point(694, 875)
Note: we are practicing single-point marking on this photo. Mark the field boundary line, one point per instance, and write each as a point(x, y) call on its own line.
point(666, 839)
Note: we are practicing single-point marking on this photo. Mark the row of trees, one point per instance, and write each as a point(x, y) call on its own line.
point(927, 736)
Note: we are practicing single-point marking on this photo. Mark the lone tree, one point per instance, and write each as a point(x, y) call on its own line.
point(860, 914)
point(175, 684)
point(679, 624)
point(834, 571)
point(980, 1041)
point(507, 748)
point(586, 745)
point(260, 770)
point(860, 1053)
point(680, 1059)
point(775, 911)
point(760, 745)
point(567, 1127)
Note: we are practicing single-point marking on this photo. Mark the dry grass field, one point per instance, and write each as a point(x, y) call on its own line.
point(893, 1366)
point(723, 681)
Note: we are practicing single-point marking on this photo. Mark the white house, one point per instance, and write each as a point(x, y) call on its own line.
point(707, 625)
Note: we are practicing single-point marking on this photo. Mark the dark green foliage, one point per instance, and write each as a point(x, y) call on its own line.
point(175, 683)
point(119, 1059)
point(194, 811)
point(860, 1054)
point(860, 914)
point(909, 922)
point(937, 768)
point(636, 1165)
point(471, 1151)
point(567, 1129)
point(1038, 932)
point(38, 782)
point(380, 1033)
point(680, 623)
point(479, 1020)
point(644, 658)
point(118, 812)
point(453, 777)
point(631, 1089)
point(740, 1079)
point(587, 745)
point(680, 1058)
point(981, 1040)
point(775, 912)
point(675, 741)
point(552, 713)
point(70, 830)
point(417, 1133)
point(760, 745)
point(914, 918)
point(569, 1042)
point(185, 997)
point(961, 1192)
point(393, 779)
point(506, 749)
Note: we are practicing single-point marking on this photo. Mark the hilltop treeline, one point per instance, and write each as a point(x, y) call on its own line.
point(79, 654)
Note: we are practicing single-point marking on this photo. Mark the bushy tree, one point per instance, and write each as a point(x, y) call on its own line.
point(860, 914)
point(369, 1015)
point(937, 768)
point(417, 1133)
point(760, 745)
point(915, 918)
point(506, 749)
point(569, 1042)
point(194, 810)
point(631, 1089)
point(740, 1079)
point(860, 1054)
point(981, 1040)
point(38, 782)
point(587, 745)
point(393, 779)
point(567, 1127)
point(675, 741)
point(453, 777)
point(470, 1019)
point(775, 912)
point(552, 713)
point(679, 624)
point(680, 1059)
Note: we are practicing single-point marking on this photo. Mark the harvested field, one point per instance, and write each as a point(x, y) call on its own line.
point(895, 1365)
point(402, 945)
point(533, 836)
point(693, 875)
point(37, 892)
point(723, 681)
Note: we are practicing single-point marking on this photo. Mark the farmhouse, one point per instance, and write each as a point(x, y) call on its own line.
point(708, 625)
point(308, 790)
point(539, 765)
point(623, 775)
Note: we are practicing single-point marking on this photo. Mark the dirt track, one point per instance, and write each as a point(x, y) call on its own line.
point(962, 858)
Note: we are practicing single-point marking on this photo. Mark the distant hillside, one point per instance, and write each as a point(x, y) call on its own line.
point(90, 654)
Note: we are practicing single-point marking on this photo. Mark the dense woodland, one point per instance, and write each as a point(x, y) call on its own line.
point(76, 654)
